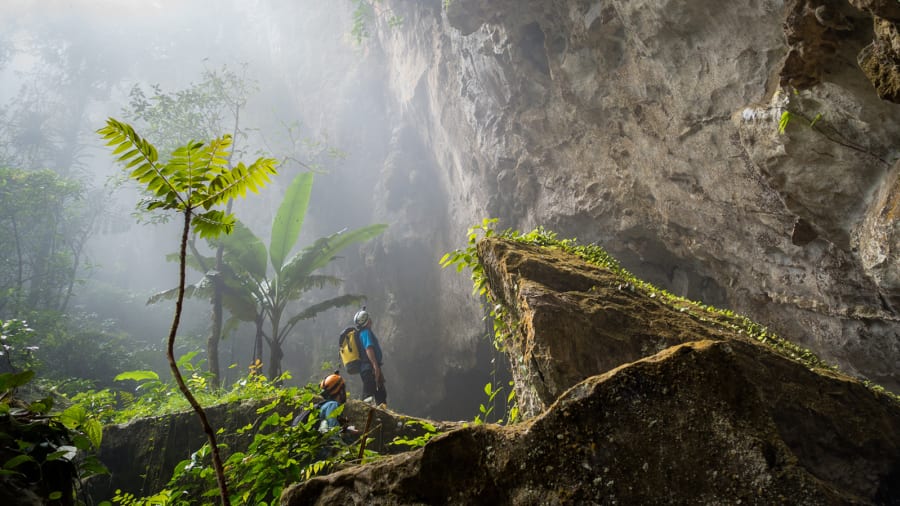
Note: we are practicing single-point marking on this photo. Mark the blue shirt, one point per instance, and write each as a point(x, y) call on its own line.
point(325, 414)
point(367, 339)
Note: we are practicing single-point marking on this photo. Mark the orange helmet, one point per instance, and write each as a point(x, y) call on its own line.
point(332, 386)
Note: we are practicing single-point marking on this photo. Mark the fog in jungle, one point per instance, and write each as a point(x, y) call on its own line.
point(68, 65)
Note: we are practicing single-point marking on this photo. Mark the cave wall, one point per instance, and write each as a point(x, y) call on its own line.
point(651, 128)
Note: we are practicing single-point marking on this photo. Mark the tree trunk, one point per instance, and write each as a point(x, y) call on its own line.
point(275, 359)
point(215, 332)
point(173, 365)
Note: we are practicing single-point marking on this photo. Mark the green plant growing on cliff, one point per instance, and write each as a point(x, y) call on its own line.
point(467, 258)
point(364, 13)
point(192, 182)
point(428, 432)
point(790, 114)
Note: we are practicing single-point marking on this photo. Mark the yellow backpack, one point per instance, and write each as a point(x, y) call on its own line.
point(351, 355)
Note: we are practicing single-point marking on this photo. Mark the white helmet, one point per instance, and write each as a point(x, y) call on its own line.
point(361, 318)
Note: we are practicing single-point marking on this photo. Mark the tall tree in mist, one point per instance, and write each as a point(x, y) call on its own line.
point(45, 220)
point(193, 183)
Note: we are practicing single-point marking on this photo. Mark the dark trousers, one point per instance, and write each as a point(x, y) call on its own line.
point(370, 388)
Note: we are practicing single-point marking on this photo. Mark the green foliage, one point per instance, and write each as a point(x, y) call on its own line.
point(193, 181)
point(795, 109)
point(199, 111)
point(783, 121)
point(487, 408)
point(512, 406)
point(279, 454)
point(42, 452)
point(429, 431)
point(17, 346)
point(44, 222)
point(152, 396)
point(49, 340)
point(468, 257)
point(255, 296)
point(365, 13)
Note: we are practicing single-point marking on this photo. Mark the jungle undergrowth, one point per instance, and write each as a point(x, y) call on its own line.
point(279, 454)
point(42, 449)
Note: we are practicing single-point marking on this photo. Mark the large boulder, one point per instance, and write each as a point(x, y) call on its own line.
point(643, 398)
point(706, 422)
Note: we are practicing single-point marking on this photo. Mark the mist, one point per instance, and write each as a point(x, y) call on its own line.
point(67, 66)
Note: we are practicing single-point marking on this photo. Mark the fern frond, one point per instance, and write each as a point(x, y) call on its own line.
point(235, 182)
point(138, 154)
point(213, 223)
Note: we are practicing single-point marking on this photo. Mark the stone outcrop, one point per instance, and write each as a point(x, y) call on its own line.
point(571, 320)
point(712, 418)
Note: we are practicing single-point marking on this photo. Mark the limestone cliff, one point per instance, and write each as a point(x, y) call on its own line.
point(651, 128)
point(648, 127)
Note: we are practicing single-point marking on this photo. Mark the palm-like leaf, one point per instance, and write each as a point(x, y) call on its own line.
point(289, 219)
point(315, 309)
point(244, 249)
point(195, 177)
point(200, 289)
point(323, 251)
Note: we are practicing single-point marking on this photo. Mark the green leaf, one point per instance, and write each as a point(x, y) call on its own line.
point(73, 416)
point(244, 249)
point(17, 461)
point(10, 380)
point(187, 358)
point(340, 301)
point(783, 121)
point(289, 219)
point(94, 431)
point(324, 250)
point(137, 376)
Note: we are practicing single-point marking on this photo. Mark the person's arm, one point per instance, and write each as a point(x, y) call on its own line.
point(379, 379)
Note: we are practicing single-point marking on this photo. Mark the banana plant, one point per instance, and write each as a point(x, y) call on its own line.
point(260, 282)
point(193, 182)
point(268, 280)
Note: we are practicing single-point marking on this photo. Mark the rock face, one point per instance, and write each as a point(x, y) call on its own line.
point(652, 128)
point(715, 418)
point(572, 320)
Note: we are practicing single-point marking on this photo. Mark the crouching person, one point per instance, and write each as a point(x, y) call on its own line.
point(334, 391)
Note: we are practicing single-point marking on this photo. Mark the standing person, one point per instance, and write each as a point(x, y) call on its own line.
point(370, 372)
